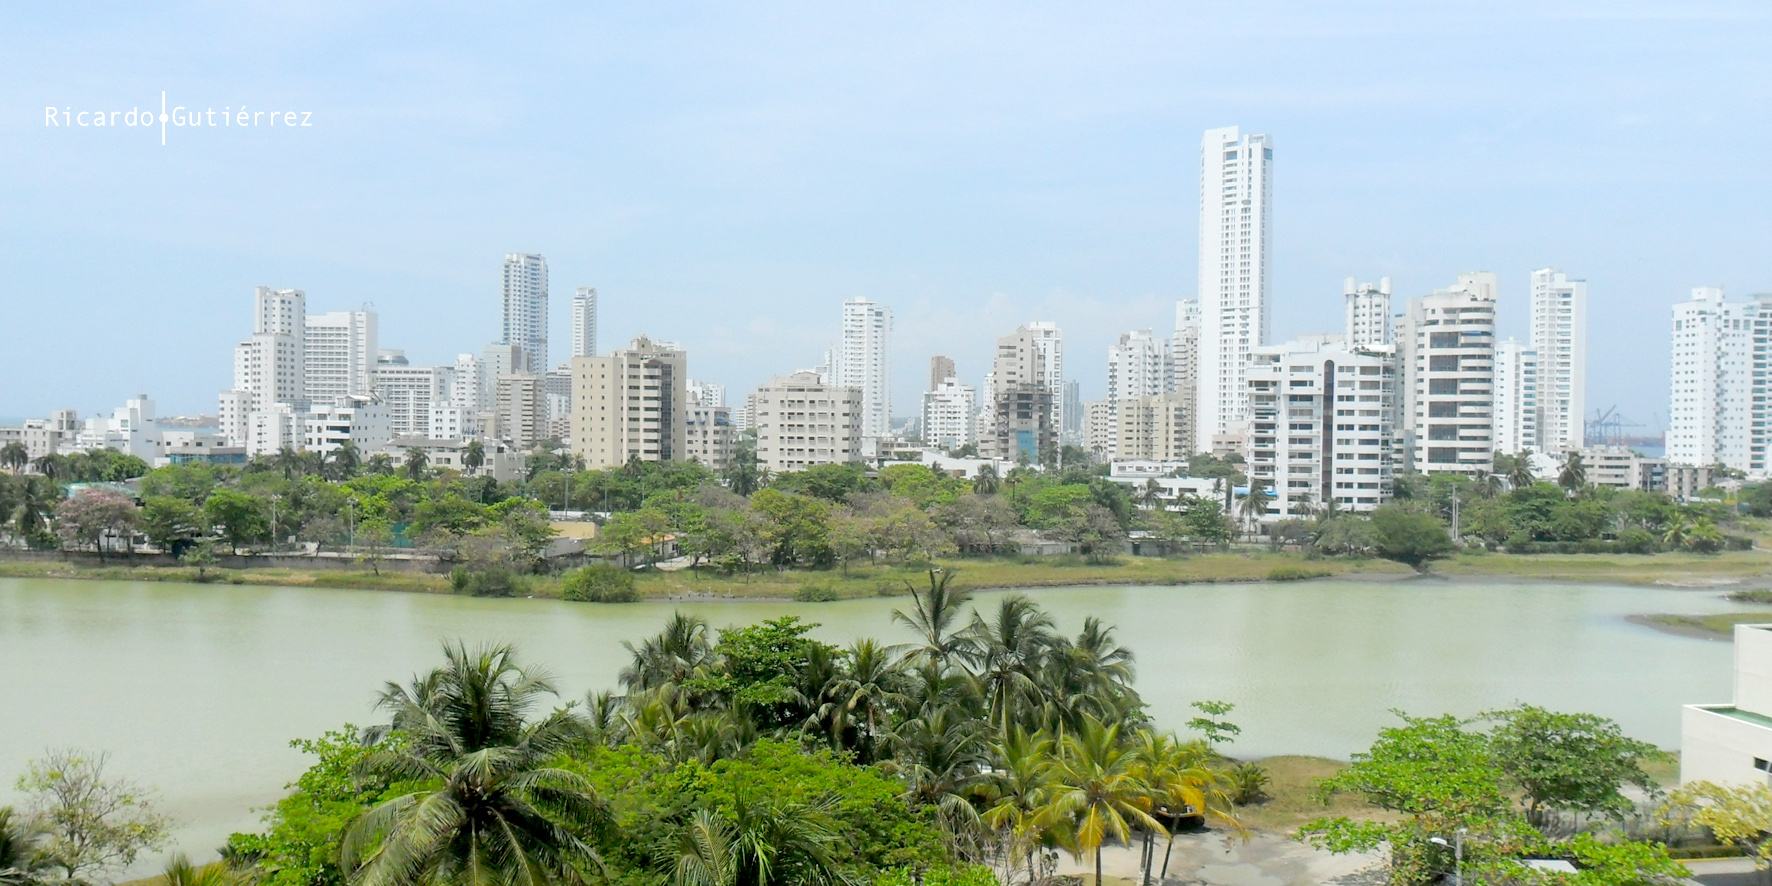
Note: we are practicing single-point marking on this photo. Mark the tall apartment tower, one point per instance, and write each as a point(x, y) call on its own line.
point(1559, 335)
point(1051, 342)
point(1717, 409)
point(941, 369)
point(519, 410)
point(802, 422)
point(526, 309)
point(950, 415)
point(339, 355)
point(1236, 192)
point(1021, 399)
point(1321, 425)
point(268, 365)
point(1446, 347)
point(1137, 366)
point(1517, 411)
point(1368, 313)
point(630, 403)
point(1071, 431)
point(1184, 360)
point(862, 362)
point(584, 322)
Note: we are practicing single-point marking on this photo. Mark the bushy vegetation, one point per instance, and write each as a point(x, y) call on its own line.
point(599, 583)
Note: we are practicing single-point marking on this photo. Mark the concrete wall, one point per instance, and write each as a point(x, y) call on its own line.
point(1753, 668)
point(1718, 748)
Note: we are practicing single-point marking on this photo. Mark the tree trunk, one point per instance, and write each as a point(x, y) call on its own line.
point(1166, 851)
point(1098, 866)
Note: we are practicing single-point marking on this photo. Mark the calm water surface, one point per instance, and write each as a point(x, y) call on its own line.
point(197, 689)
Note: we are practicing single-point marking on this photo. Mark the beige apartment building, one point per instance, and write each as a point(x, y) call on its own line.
point(802, 422)
point(630, 404)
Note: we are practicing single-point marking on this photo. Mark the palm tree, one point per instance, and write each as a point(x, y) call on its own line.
point(860, 701)
point(380, 464)
point(1519, 471)
point(1574, 474)
point(765, 842)
point(492, 808)
point(474, 456)
point(1253, 506)
point(1007, 653)
point(933, 613)
point(985, 482)
point(14, 457)
point(1014, 793)
point(180, 872)
point(346, 461)
point(683, 647)
point(289, 462)
point(1180, 775)
point(1097, 792)
point(51, 465)
point(21, 864)
point(1678, 528)
point(36, 502)
point(1090, 677)
point(938, 755)
point(417, 462)
point(1151, 495)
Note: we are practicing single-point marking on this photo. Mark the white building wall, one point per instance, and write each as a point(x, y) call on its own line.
point(526, 310)
point(1450, 377)
point(1137, 366)
point(1731, 744)
point(1235, 195)
point(950, 415)
point(1559, 335)
point(584, 322)
point(339, 352)
point(1516, 398)
point(1716, 377)
point(862, 362)
point(1368, 313)
point(802, 422)
point(1322, 424)
point(1049, 338)
point(408, 392)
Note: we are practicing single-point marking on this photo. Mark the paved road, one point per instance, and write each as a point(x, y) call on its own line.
point(1213, 859)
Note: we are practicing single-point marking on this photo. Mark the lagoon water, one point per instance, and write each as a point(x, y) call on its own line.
point(197, 689)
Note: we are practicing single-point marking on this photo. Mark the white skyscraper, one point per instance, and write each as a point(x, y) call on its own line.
point(1235, 194)
point(268, 364)
point(1719, 372)
point(339, 354)
point(1051, 341)
point(526, 308)
point(950, 415)
point(862, 363)
point(1446, 351)
point(1517, 410)
point(1137, 366)
point(1559, 335)
point(1368, 313)
point(1321, 425)
point(584, 322)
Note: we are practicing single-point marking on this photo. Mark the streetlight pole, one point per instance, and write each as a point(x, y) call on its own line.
point(1457, 845)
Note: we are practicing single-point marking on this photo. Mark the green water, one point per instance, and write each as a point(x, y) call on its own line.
point(197, 689)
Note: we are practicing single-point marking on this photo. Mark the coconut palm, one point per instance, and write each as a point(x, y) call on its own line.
point(1151, 494)
point(1574, 474)
point(764, 842)
point(1097, 793)
point(180, 872)
point(474, 456)
point(345, 461)
point(1180, 775)
point(21, 863)
point(492, 809)
point(417, 463)
point(671, 657)
point(1519, 471)
point(52, 466)
point(1014, 793)
point(933, 613)
point(36, 502)
point(939, 755)
point(14, 456)
point(985, 482)
point(857, 709)
point(1253, 506)
point(1007, 652)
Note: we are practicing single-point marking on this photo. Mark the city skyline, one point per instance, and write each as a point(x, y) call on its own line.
point(1094, 230)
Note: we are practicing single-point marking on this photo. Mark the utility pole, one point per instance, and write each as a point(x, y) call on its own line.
point(1455, 535)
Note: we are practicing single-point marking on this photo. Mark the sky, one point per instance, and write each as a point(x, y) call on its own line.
point(726, 174)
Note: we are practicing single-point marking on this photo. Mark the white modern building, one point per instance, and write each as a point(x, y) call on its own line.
point(584, 322)
point(1184, 354)
point(268, 365)
point(1731, 744)
point(1368, 313)
point(708, 435)
point(361, 420)
point(1235, 198)
point(1559, 335)
point(802, 422)
point(704, 393)
point(1101, 429)
point(862, 361)
point(469, 389)
point(1050, 340)
point(449, 421)
point(519, 410)
point(1322, 419)
point(409, 393)
point(950, 415)
point(270, 430)
point(1138, 366)
point(526, 309)
point(1718, 410)
point(1517, 411)
point(1446, 352)
point(339, 355)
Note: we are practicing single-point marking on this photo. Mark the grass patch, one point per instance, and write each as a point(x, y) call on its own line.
point(1291, 801)
point(1754, 595)
point(1638, 569)
point(1721, 624)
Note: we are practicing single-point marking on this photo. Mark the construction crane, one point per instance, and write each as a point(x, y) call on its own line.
point(1607, 428)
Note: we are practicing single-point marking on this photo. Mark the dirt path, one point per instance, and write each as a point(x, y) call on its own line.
point(1218, 859)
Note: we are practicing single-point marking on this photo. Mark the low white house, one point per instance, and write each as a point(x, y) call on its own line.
point(1732, 743)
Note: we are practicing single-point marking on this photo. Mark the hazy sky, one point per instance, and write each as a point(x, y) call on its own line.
point(726, 174)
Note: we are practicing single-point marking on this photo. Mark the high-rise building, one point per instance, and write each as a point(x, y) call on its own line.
point(409, 392)
point(1368, 314)
point(556, 388)
point(1717, 408)
point(520, 410)
point(1138, 366)
point(584, 322)
point(339, 355)
point(1321, 425)
point(704, 393)
point(1101, 429)
point(862, 362)
point(950, 415)
point(496, 359)
point(1019, 382)
point(1184, 360)
point(1559, 335)
point(1071, 432)
point(801, 422)
point(630, 403)
point(526, 309)
point(1154, 427)
point(1446, 350)
point(708, 433)
point(1235, 195)
point(468, 389)
point(941, 369)
point(1051, 341)
point(361, 420)
point(1517, 411)
point(268, 365)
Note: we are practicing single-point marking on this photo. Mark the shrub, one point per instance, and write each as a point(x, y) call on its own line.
point(1294, 573)
point(1754, 595)
point(1637, 540)
point(1249, 783)
point(599, 583)
point(488, 581)
point(812, 592)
